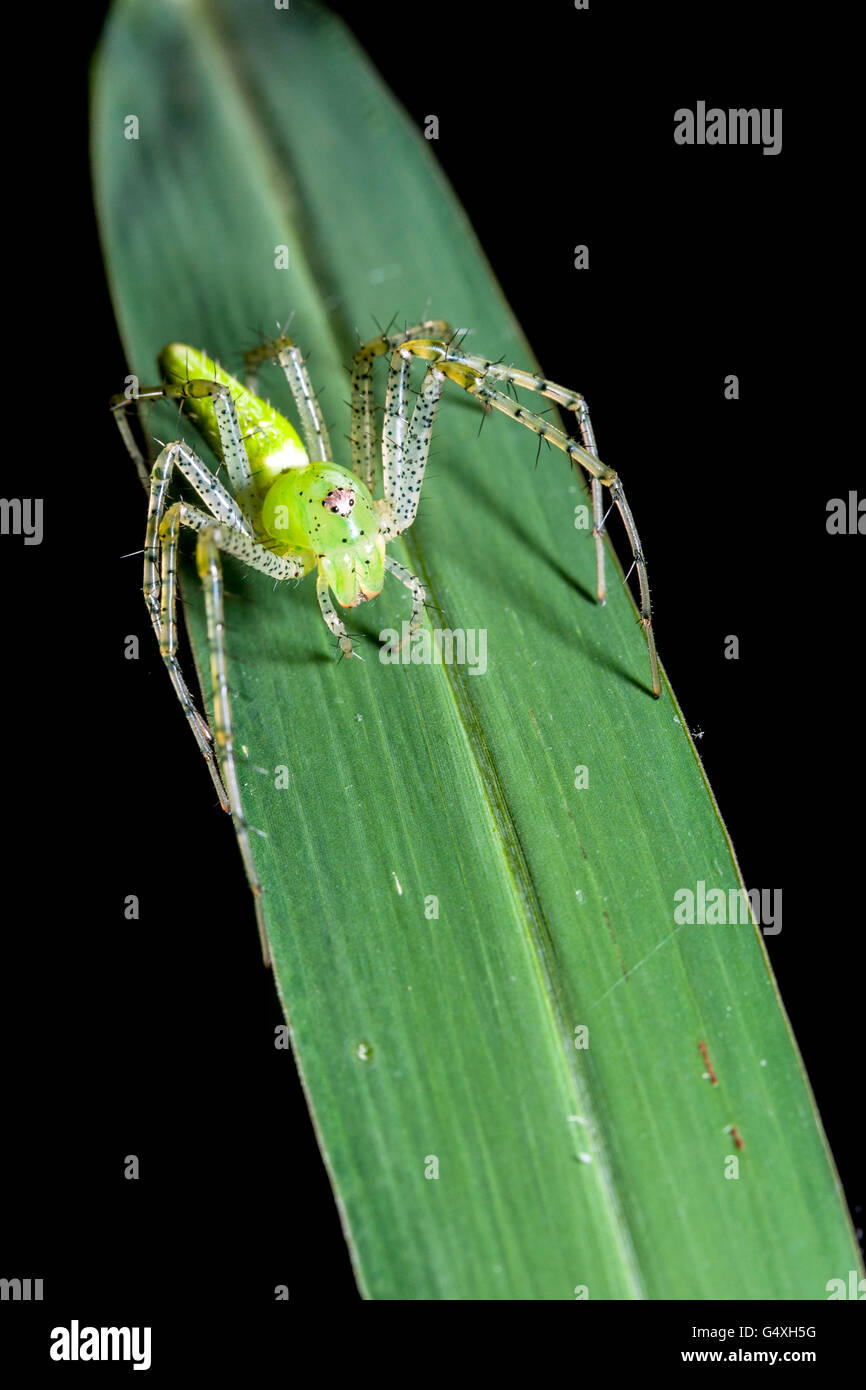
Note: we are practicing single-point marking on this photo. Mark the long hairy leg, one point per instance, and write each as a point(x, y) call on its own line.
point(160, 567)
point(569, 400)
point(363, 433)
point(288, 355)
point(210, 573)
point(415, 587)
point(234, 453)
point(332, 618)
point(461, 369)
point(159, 574)
point(214, 537)
point(162, 604)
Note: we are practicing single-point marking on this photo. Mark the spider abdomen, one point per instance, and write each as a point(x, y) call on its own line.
point(271, 442)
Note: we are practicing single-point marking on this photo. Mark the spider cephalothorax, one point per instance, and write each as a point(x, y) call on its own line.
point(322, 513)
point(291, 509)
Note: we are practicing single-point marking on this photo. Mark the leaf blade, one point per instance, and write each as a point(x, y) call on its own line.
point(454, 784)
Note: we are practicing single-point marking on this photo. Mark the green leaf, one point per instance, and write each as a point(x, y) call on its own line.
point(445, 906)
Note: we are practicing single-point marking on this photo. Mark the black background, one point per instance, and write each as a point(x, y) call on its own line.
point(703, 262)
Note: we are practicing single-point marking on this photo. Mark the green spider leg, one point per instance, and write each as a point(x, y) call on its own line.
point(334, 622)
point(212, 538)
point(363, 432)
point(231, 440)
point(406, 438)
point(472, 374)
point(226, 529)
point(119, 407)
point(415, 587)
point(570, 400)
point(224, 508)
point(288, 355)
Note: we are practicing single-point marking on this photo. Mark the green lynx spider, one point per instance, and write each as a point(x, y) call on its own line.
point(292, 509)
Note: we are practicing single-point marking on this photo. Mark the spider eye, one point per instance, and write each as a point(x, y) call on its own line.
point(340, 500)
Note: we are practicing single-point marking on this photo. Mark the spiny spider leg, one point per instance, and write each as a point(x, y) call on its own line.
point(405, 441)
point(363, 434)
point(234, 530)
point(154, 576)
point(119, 406)
point(332, 618)
point(404, 459)
point(208, 487)
point(288, 355)
point(415, 587)
point(230, 530)
point(210, 541)
point(225, 509)
point(234, 452)
point(292, 565)
point(606, 476)
point(214, 537)
point(461, 368)
point(570, 400)
point(161, 598)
